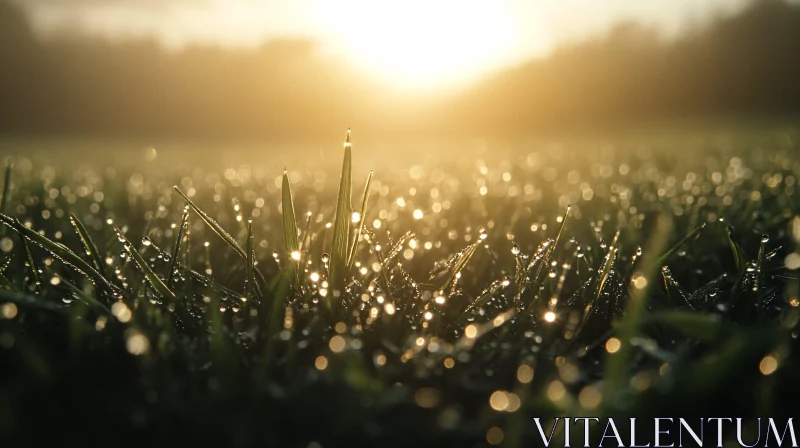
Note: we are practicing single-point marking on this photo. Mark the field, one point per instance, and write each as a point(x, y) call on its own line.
point(159, 300)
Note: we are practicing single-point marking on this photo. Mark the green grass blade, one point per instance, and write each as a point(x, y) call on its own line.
point(460, 263)
point(250, 261)
point(214, 225)
point(694, 233)
point(616, 368)
point(541, 271)
point(33, 301)
point(177, 249)
point(61, 252)
point(4, 281)
point(154, 280)
point(341, 225)
point(739, 257)
point(290, 231)
point(221, 232)
point(88, 244)
point(83, 297)
point(289, 222)
point(6, 197)
point(37, 281)
point(354, 245)
point(608, 263)
point(605, 271)
point(485, 296)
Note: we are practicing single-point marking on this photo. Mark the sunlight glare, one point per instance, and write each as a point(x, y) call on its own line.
point(420, 43)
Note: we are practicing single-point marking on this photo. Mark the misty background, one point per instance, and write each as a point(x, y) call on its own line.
point(743, 65)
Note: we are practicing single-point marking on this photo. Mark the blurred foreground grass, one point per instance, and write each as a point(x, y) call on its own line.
point(444, 304)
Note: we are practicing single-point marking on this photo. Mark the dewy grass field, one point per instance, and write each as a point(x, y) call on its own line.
point(445, 305)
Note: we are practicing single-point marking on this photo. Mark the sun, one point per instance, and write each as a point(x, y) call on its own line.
point(422, 43)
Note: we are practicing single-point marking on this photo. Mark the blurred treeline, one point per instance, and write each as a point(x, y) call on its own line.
point(747, 65)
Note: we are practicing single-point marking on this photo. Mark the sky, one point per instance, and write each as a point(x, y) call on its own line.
point(411, 43)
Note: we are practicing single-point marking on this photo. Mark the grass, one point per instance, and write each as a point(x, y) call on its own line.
point(463, 299)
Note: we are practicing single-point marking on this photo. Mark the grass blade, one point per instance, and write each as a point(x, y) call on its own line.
point(154, 280)
point(289, 222)
point(545, 261)
point(461, 262)
point(83, 297)
point(221, 232)
point(29, 300)
point(699, 229)
point(352, 258)
point(341, 225)
point(214, 225)
point(250, 261)
point(608, 263)
point(4, 282)
point(177, 249)
point(290, 230)
point(61, 252)
point(739, 257)
point(37, 281)
point(618, 364)
point(88, 244)
point(484, 297)
point(6, 197)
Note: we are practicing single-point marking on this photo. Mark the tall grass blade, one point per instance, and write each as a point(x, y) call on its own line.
point(250, 261)
point(341, 224)
point(544, 262)
point(177, 249)
point(694, 233)
point(463, 258)
point(214, 225)
point(6, 197)
point(88, 244)
point(35, 278)
point(83, 297)
point(289, 222)
point(305, 239)
point(484, 297)
point(354, 245)
point(221, 232)
point(290, 230)
point(4, 282)
point(739, 257)
point(673, 289)
point(151, 276)
point(647, 277)
point(61, 252)
point(605, 271)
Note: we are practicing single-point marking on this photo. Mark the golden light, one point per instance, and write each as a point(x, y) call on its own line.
point(499, 400)
point(8, 310)
point(419, 43)
point(524, 374)
point(337, 344)
point(495, 435)
point(768, 365)
point(613, 345)
point(590, 397)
